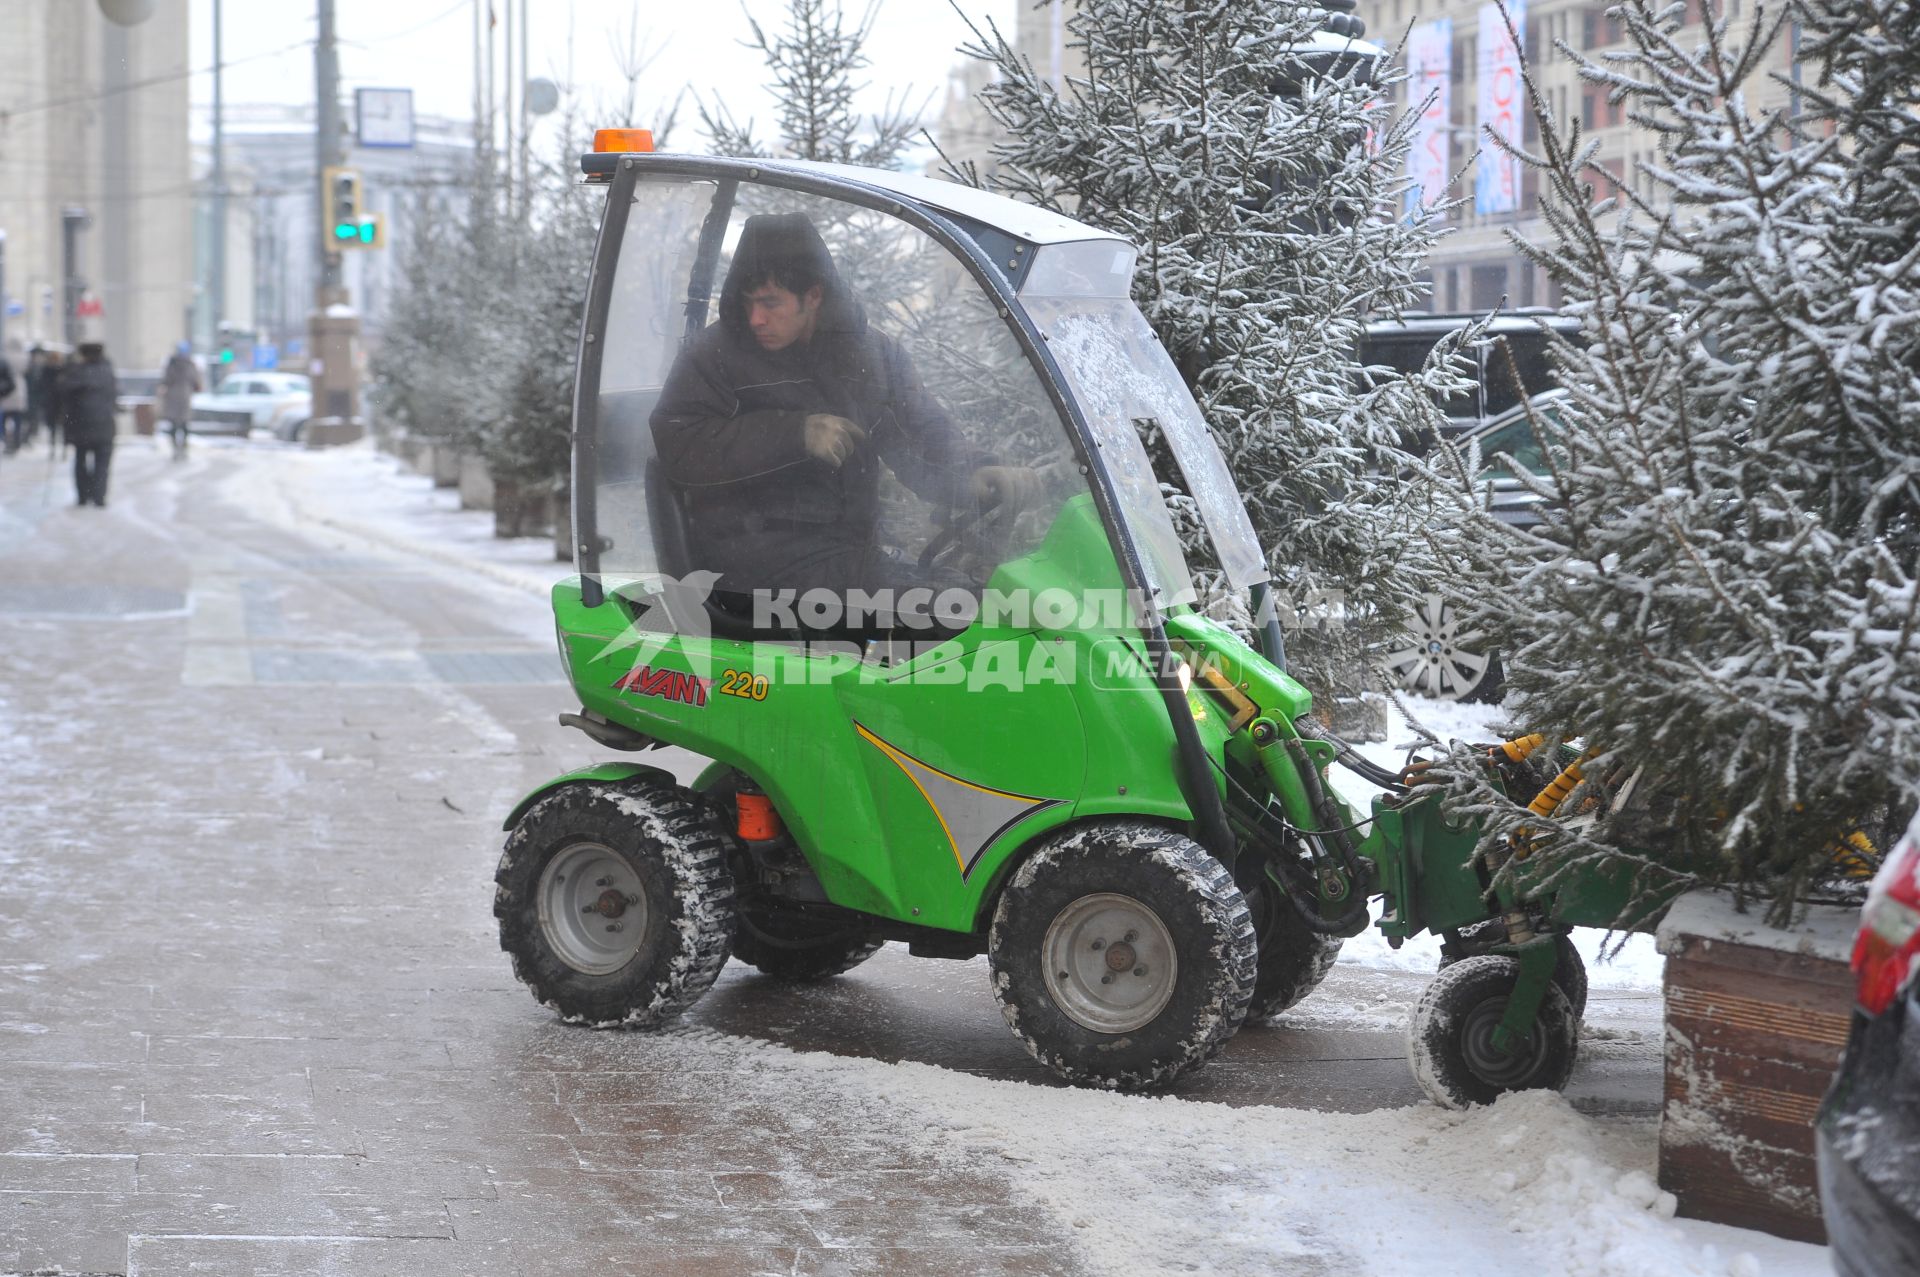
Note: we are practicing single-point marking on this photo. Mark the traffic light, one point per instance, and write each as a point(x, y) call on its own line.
point(369, 232)
point(341, 221)
point(345, 221)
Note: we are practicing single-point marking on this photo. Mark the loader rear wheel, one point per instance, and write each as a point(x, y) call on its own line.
point(788, 945)
point(1294, 959)
point(614, 902)
point(1122, 955)
point(1450, 1043)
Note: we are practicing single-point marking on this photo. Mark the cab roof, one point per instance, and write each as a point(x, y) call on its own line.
point(983, 208)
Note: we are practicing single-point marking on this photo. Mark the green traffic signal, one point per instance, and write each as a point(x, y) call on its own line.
point(226, 356)
point(346, 230)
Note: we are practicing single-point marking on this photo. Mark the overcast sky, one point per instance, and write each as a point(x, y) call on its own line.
point(428, 46)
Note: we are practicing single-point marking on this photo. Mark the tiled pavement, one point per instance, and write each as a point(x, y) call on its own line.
point(253, 1015)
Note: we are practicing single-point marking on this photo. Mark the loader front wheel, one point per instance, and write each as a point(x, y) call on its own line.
point(1451, 1043)
point(614, 902)
point(1123, 955)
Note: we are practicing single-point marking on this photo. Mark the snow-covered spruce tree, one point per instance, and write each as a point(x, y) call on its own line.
point(1265, 196)
point(444, 363)
point(811, 70)
point(1726, 594)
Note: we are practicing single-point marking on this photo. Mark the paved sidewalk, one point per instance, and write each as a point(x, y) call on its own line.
point(253, 1013)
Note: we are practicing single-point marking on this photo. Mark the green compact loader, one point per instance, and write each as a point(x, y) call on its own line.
point(862, 514)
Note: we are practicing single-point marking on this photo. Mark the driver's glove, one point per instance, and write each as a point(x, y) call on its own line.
point(1013, 487)
point(830, 438)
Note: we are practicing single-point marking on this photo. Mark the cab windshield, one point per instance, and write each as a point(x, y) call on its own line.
point(1078, 293)
point(799, 394)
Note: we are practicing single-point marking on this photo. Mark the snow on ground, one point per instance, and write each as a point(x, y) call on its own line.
point(1163, 1185)
point(1166, 1185)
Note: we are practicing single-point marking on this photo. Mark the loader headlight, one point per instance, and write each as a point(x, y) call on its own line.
point(1184, 672)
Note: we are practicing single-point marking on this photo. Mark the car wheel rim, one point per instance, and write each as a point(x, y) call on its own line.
point(593, 908)
point(1110, 963)
point(1489, 1063)
point(1439, 659)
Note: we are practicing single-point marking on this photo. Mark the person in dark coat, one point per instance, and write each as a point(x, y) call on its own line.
point(43, 393)
point(773, 424)
point(88, 390)
point(178, 383)
point(13, 429)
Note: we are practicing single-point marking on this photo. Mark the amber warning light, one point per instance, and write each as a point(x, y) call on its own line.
point(621, 140)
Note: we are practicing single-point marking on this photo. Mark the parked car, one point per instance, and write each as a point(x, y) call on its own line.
point(1404, 344)
point(276, 401)
point(1439, 657)
point(1867, 1136)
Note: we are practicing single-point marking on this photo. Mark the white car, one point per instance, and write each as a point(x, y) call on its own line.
point(276, 401)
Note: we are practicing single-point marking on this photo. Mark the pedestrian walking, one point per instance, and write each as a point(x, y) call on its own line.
point(179, 382)
point(43, 394)
point(88, 390)
point(13, 406)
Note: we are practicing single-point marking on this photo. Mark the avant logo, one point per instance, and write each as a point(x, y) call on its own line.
point(644, 680)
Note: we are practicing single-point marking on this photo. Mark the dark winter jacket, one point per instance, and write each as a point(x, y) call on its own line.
point(87, 394)
point(43, 387)
point(6, 377)
point(729, 430)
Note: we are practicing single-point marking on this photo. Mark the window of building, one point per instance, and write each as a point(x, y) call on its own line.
point(1489, 287)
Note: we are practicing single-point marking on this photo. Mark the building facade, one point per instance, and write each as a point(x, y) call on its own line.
point(94, 153)
point(1461, 60)
point(1460, 56)
point(272, 240)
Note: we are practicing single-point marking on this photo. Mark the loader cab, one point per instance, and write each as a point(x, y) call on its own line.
point(968, 333)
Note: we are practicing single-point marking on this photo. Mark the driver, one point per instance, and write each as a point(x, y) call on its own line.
point(773, 423)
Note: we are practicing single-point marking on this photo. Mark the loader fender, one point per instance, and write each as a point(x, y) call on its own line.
point(605, 772)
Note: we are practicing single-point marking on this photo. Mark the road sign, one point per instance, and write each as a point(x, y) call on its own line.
point(266, 356)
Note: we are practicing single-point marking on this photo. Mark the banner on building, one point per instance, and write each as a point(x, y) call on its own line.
point(1496, 185)
point(1430, 80)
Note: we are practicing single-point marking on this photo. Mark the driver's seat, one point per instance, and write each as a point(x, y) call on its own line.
point(730, 614)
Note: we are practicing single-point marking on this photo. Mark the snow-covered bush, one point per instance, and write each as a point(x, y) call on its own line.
point(1726, 594)
point(480, 345)
point(1264, 189)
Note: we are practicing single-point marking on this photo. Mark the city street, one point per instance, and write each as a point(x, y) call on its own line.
point(253, 1013)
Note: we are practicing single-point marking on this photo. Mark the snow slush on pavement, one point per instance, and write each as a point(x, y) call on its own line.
point(862, 513)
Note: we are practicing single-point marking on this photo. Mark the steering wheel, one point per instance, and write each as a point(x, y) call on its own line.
point(948, 540)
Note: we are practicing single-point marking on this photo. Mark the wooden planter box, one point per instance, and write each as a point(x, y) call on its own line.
point(443, 463)
point(521, 509)
point(563, 522)
point(476, 483)
point(1756, 1019)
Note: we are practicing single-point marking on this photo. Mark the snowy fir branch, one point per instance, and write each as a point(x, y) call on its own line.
point(1266, 195)
point(1724, 592)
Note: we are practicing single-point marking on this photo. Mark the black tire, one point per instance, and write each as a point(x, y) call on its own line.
point(655, 852)
point(1450, 1047)
point(788, 945)
point(1569, 968)
point(1186, 919)
point(1294, 958)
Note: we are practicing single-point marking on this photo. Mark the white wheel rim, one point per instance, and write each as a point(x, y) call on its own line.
point(593, 908)
point(1110, 963)
point(1439, 659)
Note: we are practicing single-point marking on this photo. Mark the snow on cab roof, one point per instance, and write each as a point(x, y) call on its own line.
point(1022, 221)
